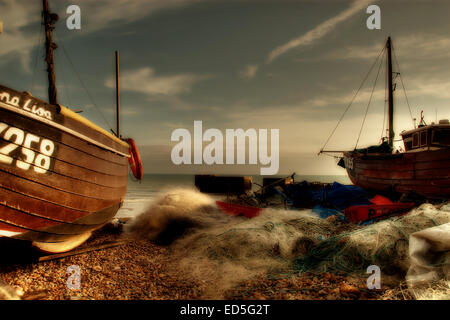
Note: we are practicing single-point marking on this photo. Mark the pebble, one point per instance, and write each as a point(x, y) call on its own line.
point(142, 270)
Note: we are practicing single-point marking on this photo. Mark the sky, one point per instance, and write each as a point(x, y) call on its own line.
point(288, 65)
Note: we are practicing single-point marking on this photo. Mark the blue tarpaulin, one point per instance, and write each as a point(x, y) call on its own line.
point(336, 196)
point(341, 196)
point(325, 212)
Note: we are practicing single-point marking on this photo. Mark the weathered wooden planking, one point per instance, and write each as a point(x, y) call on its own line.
point(430, 175)
point(60, 176)
point(68, 184)
point(39, 229)
point(26, 104)
point(386, 174)
point(433, 173)
point(65, 231)
point(379, 165)
point(436, 188)
point(84, 174)
point(441, 164)
point(15, 216)
point(50, 194)
point(10, 228)
point(41, 208)
point(436, 155)
point(75, 158)
point(23, 219)
point(55, 135)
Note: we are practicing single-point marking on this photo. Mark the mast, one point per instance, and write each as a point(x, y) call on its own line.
point(49, 23)
point(391, 93)
point(117, 95)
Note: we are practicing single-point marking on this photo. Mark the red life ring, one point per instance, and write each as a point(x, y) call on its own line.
point(135, 159)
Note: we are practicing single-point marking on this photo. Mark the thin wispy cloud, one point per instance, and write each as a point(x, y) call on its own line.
point(417, 46)
point(249, 72)
point(321, 30)
point(145, 81)
point(102, 13)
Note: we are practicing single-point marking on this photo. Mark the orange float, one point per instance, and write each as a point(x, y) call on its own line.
point(135, 159)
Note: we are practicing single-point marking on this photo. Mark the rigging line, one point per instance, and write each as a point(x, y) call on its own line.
point(403, 86)
point(368, 104)
point(82, 83)
point(351, 102)
point(66, 88)
point(38, 51)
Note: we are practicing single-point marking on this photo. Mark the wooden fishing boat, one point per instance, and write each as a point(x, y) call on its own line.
point(423, 167)
point(61, 176)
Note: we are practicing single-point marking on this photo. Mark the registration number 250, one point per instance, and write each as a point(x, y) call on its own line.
point(39, 161)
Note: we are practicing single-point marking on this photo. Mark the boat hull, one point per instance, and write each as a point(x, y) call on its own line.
point(426, 173)
point(61, 176)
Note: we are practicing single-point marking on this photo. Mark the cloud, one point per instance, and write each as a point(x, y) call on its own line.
point(320, 31)
point(145, 81)
point(104, 13)
point(417, 46)
point(16, 43)
point(435, 88)
point(249, 72)
point(21, 24)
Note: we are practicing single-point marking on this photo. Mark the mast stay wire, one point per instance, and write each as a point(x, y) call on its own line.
point(351, 102)
point(36, 58)
point(370, 100)
point(82, 83)
point(66, 88)
point(403, 86)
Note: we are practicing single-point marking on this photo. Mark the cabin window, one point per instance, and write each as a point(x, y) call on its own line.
point(423, 138)
point(415, 142)
point(441, 137)
point(407, 142)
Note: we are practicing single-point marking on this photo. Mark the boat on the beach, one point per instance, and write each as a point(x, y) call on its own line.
point(422, 168)
point(61, 176)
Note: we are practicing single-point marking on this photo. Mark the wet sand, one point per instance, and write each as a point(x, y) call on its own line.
point(140, 270)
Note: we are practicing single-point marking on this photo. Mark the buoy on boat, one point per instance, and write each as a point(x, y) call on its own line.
point(135, 160)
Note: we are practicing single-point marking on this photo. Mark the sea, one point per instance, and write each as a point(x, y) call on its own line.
point(141, 194)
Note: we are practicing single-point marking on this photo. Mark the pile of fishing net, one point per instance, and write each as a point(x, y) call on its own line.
point(273, 238)
point(211, 245)
point(191, 222)
point(385, 244)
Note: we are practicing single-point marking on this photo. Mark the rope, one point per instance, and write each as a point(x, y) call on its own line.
point(36, 59)
point(66, 88)
point(351, 102)
point(368, 104)
point(83, 85)
point(403, 86)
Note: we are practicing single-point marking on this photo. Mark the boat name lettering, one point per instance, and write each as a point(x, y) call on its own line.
point(28, 105)
point(39, 161)
point(6, 97)
point(40, 111)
